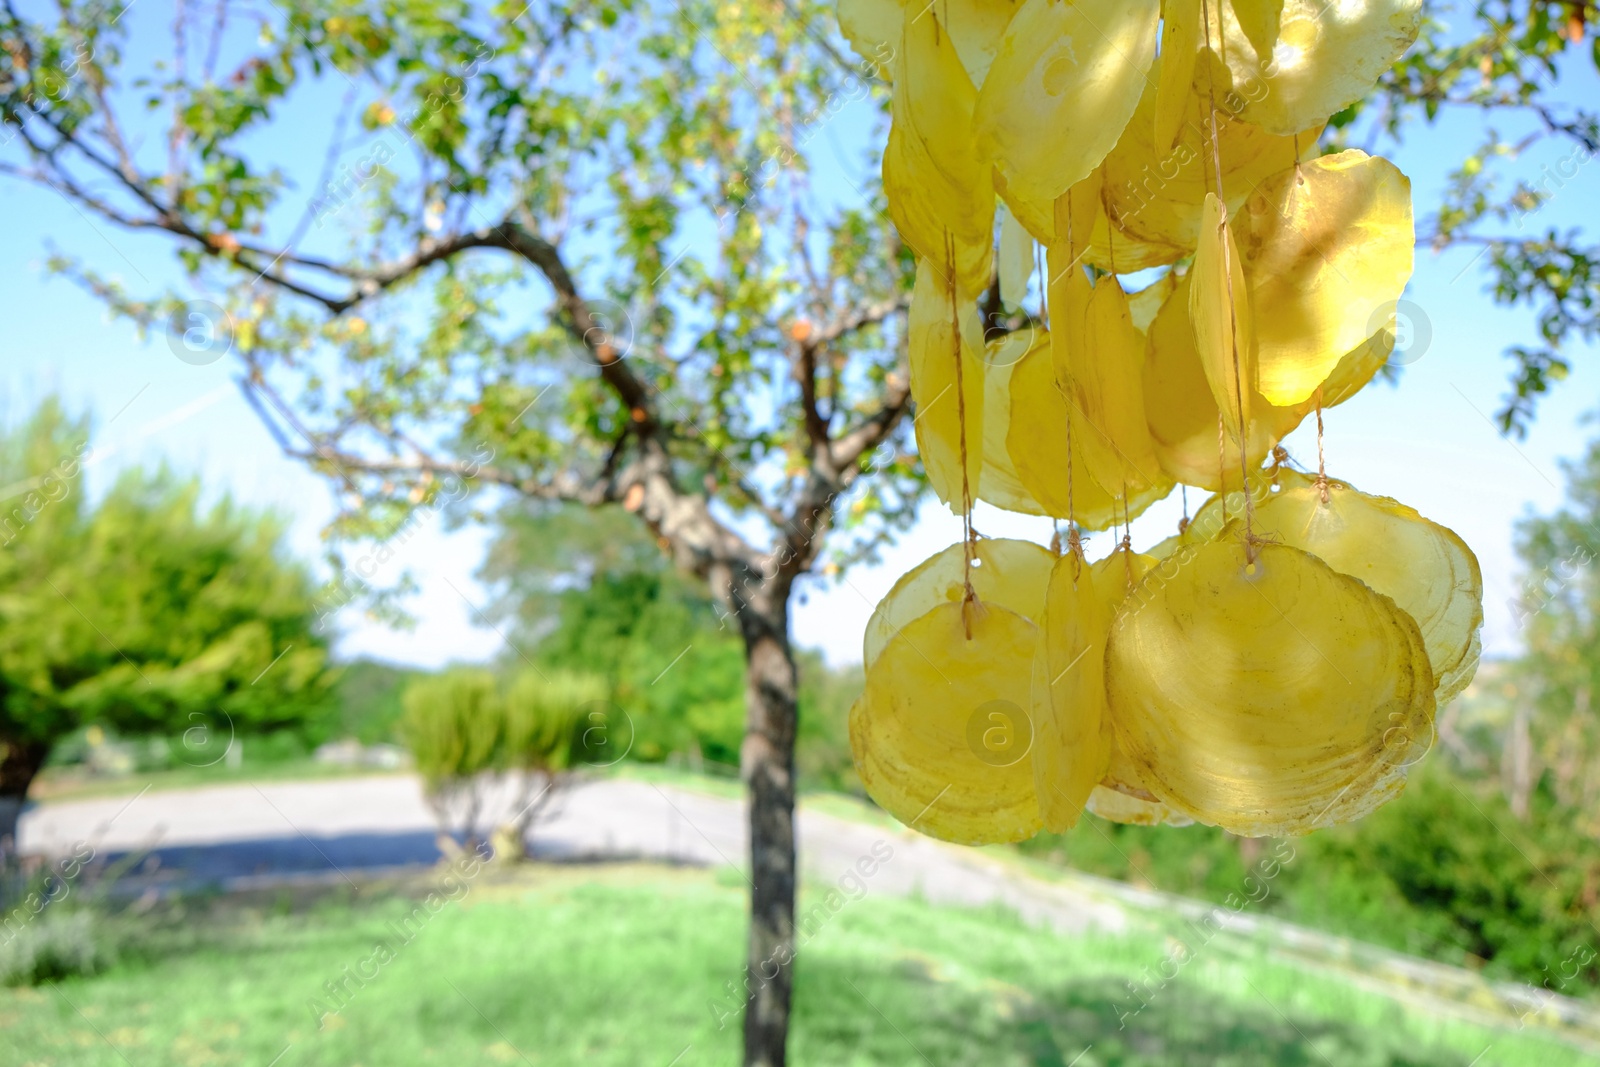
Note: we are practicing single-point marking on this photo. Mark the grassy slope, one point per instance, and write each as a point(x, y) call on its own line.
point(620, 966)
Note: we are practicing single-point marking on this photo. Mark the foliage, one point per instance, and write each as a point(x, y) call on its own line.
point(1445, 872)
point(368, 696)
point(1516, 71)
point(547, 718)
point(881, 981)
point(145, 612)
point(453, 725)
point(588, 591)
point(699, 291)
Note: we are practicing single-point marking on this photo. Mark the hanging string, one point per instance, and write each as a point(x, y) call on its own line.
point(1322, 463)
point(1044, 285)
point(1111, 231)
point(1222, 465)
point(969, 544)
point(1074, 538)
point(1233, 319)
point(1127, 535)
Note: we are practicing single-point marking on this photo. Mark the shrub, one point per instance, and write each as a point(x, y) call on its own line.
point(57, 943)
point(472, 739)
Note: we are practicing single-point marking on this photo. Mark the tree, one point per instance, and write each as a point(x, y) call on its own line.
point(1555, 722)
point(719, 348)
point(144, 613)
point(727, 398)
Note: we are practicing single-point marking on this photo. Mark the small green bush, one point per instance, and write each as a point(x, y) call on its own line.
point(57, 943)
point(466, 732)
point(546, 717)
point(452, 724)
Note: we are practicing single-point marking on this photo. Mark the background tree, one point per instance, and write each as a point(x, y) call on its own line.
point(570, 250)
point(590, 591)
point(145, 612)
point(1554, 732)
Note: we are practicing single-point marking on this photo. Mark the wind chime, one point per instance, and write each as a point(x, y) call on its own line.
point(1276, 666)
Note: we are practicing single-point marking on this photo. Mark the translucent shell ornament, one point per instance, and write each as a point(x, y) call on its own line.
point(947, 384)
point(941, 193)
point(1293, 63)
point(1000, 483)
point(1011, 574)
point(1072, 749)
point(1268, 696)
point(873, 28)
point(1064, 83)
point(1155, 192)
point(1039, 425)
point(942, 734)
point(1426, 569)
point(1327, 247)
point(1182, 412)
point(1277, 664)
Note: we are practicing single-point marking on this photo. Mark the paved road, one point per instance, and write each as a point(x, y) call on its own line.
point(242, 835)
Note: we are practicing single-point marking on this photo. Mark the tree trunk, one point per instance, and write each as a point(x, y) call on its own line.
point(19, 762)
point(767, 766)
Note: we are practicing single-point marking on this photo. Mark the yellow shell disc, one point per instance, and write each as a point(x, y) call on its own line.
point(1116, 576)
point(1111, 248)
point(1155, 193)
point(1423, 567)
point(1073, 746)
point(943, 732)
point(940, 193)
point(873, 28)
point(1296, 62)
point(1180, 49)
point(1122, 798)
point(1270, 698)
point(1107, 378)
point(1327, 247)
point(1224, 325)
point(1062, 87)
point(1036, 440)
point(941, 406)
point(1182, 413)
point(1009, 574)
point(1000, 484)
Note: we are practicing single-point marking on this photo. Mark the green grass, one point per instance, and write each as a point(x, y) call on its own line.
point(622, 965)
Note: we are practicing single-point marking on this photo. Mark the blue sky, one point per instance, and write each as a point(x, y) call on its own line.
point(1429, 441)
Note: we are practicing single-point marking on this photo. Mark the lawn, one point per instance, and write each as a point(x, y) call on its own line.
point(632, 965)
